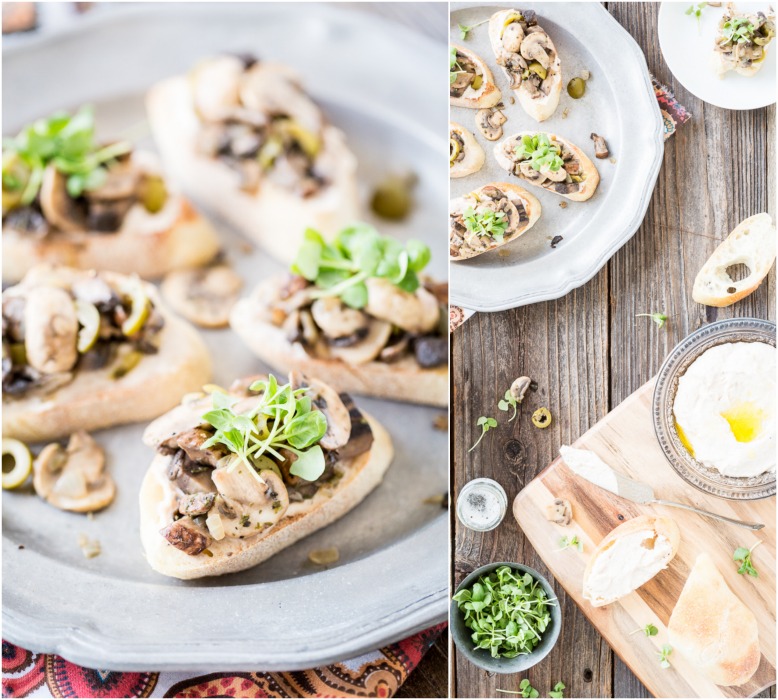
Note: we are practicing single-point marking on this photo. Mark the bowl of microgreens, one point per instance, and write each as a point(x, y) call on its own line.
point(505, 617)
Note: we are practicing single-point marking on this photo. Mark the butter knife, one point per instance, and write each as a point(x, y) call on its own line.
point(589, 466)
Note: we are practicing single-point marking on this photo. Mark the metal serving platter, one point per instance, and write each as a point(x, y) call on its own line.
point(619, 104)
point(113, 611)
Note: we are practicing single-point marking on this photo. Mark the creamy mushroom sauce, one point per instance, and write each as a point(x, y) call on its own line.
point(41, 326)
point(742, 39)
point(565, 181)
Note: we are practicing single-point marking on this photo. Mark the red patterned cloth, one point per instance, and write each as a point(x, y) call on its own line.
point(377, 674)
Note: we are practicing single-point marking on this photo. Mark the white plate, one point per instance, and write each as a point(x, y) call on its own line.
point(392, 578)
point(620, 105)
point(687, 48)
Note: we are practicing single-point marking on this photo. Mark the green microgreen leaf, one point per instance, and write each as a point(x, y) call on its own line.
point(507, 402)
point(657, 317)
point(664, 656)
point(486, 424)
point(696, 11)
point(464, 30)
point(486, 223)
point(565, 542)
point(743, 555)
point(557, 691)
point(542, 154)
point(649, 630)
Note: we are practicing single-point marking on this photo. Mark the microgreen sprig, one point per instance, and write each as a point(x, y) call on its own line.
point(565, 542)
point(693, 11)
point(281, 418)
point(540, 152)
point(454, 69)
point(737, 30)
point(486, 424)
point(743, 555)
point(557, 691)
point(657, 317)
point(464, 30)
point(486, 223)
point(358, 253)
point(649, 630)
point(664, 656)
point(507, 402)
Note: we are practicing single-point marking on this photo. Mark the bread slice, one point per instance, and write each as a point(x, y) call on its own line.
point(361, 475)
point(713, 629)
point(539, 106)
point(630, 556)
point(474, 155)
point(752, 244)
point(487, 95)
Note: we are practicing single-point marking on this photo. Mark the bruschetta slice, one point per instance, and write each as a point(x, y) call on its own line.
point(741, 41)
point(68, 200)
point(549, 161)
point(208, 506)
point(488, 218)
point(471, 83)
point(530, 60)
point(84, 350)
point(465, 155)
point(357, 314)
point(243, 137)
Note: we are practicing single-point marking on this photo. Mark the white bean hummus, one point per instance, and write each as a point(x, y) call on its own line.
point(725, 409)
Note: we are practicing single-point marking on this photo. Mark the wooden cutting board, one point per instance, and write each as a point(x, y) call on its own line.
point(625, 440)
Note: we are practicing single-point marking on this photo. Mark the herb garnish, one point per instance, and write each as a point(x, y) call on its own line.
point(464, 30)
point(486, 223)
point(64, 140)
point(557, 691)
point(540, 152)
point(282, 418)
point(565, 542)
point(358, 252)
point(486, 425)
point(664, 656)
point(657, 317)
point(507, 402)
point(743, 555)
point(737, 30)
point(507, 612)
point(649, 630)
point(697, 12)
point(454, 69)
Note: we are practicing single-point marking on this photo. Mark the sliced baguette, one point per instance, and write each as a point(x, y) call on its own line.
point(487, 95)
point(713, 629)
point(474, 155)
point(619, 563)
point(752, 243)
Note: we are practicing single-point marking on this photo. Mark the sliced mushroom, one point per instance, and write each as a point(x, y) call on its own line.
point(519, 388)
point(203, 296)
point(560, 512)
point(512, 37)
point(326, 399)
point(196, 503)
point(554, 175)
point(361, 437)
point(366, 349)
point(191, 442)
point(535, 48)
point(122, 181)
point(431, 351)
point(185, 534)
point(600, 147)
point(415, 312)
point(530, 173)
point(216, 87)
point(59, 208)
point(51, 330)
point(489, 123)
point(336, 319)
point(74, 478)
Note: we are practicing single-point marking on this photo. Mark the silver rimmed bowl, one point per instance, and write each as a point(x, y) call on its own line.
point(748, 330)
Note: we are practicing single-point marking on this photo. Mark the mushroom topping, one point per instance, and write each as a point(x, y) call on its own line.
point(535, 48)
point(415, 312)
point(600, 147)
point(519, 388)
point(203, 296)
point(185, 534)
point(196, 503)
point(559, 175)
point(560, 512)
point(489, 123)
point(361, 437)
point(366, 349)
point(530, 173)
point(325, 399)
point(512, 37)
point(51, 329)
point(431, 351)
point(336, 319)
point(60, 209)
point(74, 478)
point(216, 87)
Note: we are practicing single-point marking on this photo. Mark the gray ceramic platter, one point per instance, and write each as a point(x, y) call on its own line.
point(619, 104)
point(113, 611)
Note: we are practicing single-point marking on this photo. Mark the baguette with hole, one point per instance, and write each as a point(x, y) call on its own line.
point(468, 64)
point(465, 153)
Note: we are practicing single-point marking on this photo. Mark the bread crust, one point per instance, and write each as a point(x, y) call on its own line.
point(752, 242)
point(273, 217)
point(662, 526)
point(488, 95)
point(94, 400)
point(588, 186)
point(230, 554)
point(403, 380)
point(474, 154)
point(540, 108)
point(712, 627)
point(514, 192)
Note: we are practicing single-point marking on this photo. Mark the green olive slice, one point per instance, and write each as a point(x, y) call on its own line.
point(89, 319)
point(153, 193)
point(455, 150)
point(477, 82)
point(22, 459)
point(135, 290)
point(535, 67)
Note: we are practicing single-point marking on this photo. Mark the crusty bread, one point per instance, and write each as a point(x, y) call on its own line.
point(230, 554)
point(503, 153)
point(95, 400)
point(544, 106)
point(514, 192)
point(488, 95)
point(752, 244)
point(273, 216)
point(631, 579)
point(713, 629)
point(403, 380)
point(474, 154)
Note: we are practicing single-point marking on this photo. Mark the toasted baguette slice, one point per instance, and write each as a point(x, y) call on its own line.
point(538, 105)
point(752, 244)
point(273, 216)
point(631, 555)
point(517, 195)
point(360, 476)
point(94, 400)
point(505, 155)
point(487, 94)
point(713, 629)
point(473, 155)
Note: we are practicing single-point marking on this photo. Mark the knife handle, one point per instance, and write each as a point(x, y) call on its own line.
point(723, 518)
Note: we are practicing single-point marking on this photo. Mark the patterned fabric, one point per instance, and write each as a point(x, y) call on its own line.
point(378, 674)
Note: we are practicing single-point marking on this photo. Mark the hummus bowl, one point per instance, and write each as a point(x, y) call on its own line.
point(678, 362)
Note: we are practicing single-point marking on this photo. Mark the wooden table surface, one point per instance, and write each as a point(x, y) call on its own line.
point(587, 351)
